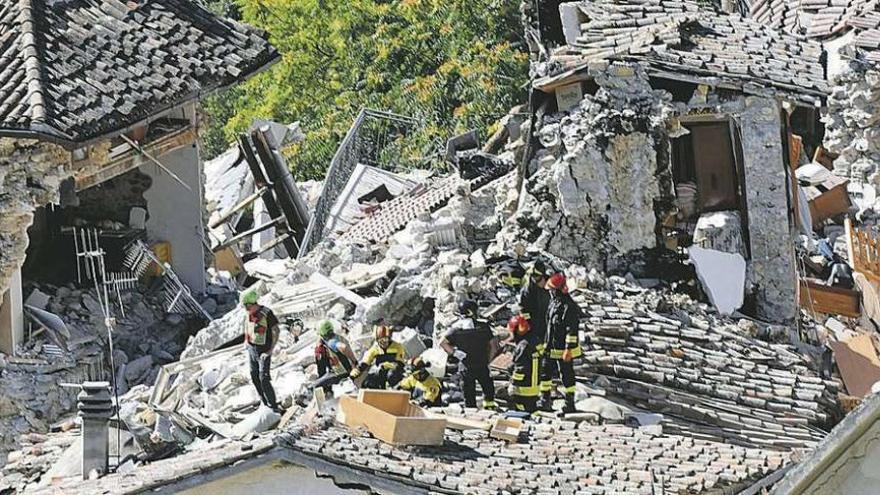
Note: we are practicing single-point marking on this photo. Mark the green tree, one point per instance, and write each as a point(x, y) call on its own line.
point(452, 64)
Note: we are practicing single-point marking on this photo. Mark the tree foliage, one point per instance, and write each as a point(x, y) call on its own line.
point(454, 65)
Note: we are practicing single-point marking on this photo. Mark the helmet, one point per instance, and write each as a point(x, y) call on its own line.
point(538, 269)
point(325, 329)
point(519, 325)
point(511, 273)
point(417, 363)
point(249, 297)
point(556, 281)
point(467, 308)
point(383, 335)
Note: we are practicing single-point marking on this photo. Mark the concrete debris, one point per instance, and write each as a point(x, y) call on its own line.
point(30, 395)
point(722, 276)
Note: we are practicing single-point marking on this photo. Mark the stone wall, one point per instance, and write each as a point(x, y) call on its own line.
point(601, 178)
point(852, 123)
point(30, 175)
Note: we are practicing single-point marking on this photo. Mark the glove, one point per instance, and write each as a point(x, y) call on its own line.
point(355, 372)
point(459, 354)
point(566, 355)
point(390, 365)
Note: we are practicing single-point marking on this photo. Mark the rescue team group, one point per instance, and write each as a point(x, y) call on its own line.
point(544, 338)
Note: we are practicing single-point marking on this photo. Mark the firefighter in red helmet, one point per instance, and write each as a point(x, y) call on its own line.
point(562, 343)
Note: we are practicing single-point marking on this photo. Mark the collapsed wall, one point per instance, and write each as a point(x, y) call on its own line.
point(851, 123)
point(591, 196)
point(602, 180)
point(30, 176)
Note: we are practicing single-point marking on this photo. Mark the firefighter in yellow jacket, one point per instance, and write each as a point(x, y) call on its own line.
point(424, 388)
point(562, 343)
point(388, 356)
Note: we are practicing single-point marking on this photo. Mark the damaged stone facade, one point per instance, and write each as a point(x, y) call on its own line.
point(851, 124)
point(602, 179)
point(30, 176)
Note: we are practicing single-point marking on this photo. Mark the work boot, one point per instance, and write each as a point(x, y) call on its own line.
point(569, 404)
point(546, 402)
point(490, 405)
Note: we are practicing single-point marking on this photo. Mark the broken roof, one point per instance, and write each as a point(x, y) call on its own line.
point(75, 70)
point(839, 454)
point(683, 38)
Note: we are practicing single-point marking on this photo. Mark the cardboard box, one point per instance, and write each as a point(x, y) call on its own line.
point(390, 417)
point(506, 429)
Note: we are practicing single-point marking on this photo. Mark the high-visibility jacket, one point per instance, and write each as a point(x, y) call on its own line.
point(563, 324)
point(258, 328)
point(430, 386)
point(395, 353)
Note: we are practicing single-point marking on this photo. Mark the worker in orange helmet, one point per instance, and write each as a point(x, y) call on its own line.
point(389, 358)
point(562, 343)
point(526, 356)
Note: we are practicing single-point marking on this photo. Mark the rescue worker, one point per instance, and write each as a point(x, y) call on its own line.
point(334, 357)
point(470, 342)
point(389, 358)
point(260, 336)
point(524, 379)
point(424, 388)
point(533, 303)
point(563, 346)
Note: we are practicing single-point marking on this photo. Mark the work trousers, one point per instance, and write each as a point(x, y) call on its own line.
point(554, 367)
point(524, 384)
point(327, 380)
point(260, 376)
point(470, 375)
point(383, 378)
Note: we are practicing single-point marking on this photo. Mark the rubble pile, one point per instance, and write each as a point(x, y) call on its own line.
point(850, 120)
point(595, 179)
point(31, 398)
point(598, 459)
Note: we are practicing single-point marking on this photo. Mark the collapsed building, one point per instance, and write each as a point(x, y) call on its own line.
point(101, 171)
point(665, 126)
point(658, 133)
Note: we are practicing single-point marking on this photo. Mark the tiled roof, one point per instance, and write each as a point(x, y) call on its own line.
point(740, 389)
point(684, 37)
point(553, 457)
point(73, 70)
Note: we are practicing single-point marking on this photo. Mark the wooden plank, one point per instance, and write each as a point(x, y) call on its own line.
point(858, 364)
point(461, 424)
point(820, 298)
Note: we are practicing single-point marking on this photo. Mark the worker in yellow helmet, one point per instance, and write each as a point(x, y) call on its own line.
point(389, 358)
point(425, 389)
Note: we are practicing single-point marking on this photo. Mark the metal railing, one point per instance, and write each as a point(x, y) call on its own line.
point(375, 138)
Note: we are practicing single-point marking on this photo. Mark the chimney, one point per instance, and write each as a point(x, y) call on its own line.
point(95, 408)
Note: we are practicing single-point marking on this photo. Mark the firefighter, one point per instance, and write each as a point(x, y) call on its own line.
point(562, 344)
point(424, 388)
point(533, 303)
point(334, 357)
point(524, 380)
point(470, 342)
point(260, 336)
point(389, 358)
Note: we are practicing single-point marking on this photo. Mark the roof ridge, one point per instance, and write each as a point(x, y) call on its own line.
point(35, 99)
